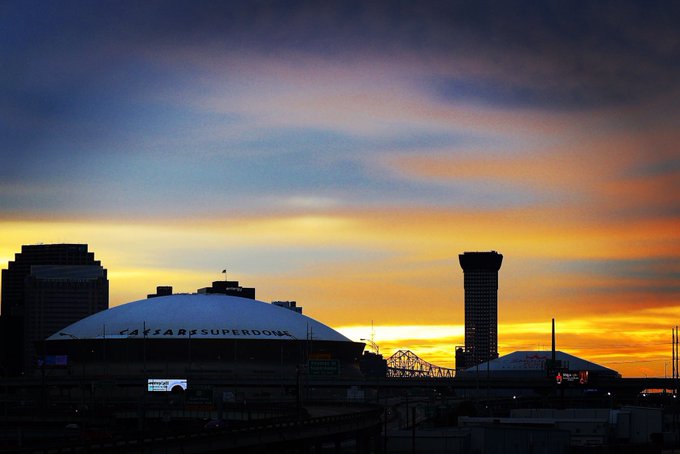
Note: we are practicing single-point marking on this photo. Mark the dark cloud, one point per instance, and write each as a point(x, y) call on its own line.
point(653, 276)
point(558, 31)
point(656, 168)
point(571, 55)
point(73, 74)
point(537, 54)
point(656, 268)
point(517, 95)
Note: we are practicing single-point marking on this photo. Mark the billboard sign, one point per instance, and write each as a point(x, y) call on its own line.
point(54, 360)
point(166, 384)
point(580, 377)
point(325, 367)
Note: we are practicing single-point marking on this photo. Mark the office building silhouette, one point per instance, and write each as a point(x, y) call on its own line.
point(480, 270)
point(44, 289)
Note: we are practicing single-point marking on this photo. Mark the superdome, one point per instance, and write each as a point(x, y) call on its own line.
point(200, 336)
point(199, 316)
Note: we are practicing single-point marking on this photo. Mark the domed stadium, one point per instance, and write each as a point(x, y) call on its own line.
point(534, 364)
point(200, 335)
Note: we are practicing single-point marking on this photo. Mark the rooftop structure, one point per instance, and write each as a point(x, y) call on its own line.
point(290, 305)
point(229, 288)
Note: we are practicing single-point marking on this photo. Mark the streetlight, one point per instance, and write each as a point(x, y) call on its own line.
point(82, 365)
point(375, 346)
point(82, 349)
point(81, 345)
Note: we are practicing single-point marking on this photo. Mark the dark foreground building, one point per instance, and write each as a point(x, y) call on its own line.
point(45, 288)
point(480, 270)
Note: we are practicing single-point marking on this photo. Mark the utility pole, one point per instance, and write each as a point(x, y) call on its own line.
point(675, 385)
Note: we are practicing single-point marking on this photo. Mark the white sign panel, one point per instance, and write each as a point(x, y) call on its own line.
point(166, 384)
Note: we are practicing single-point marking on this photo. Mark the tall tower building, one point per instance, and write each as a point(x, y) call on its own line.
point(480, 271)
point(46, 288)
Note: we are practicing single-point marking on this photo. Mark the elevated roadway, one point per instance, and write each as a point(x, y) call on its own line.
point(628, 385)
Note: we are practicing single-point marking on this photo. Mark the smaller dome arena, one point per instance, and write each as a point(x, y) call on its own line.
point(201, 335)
point(533, 365)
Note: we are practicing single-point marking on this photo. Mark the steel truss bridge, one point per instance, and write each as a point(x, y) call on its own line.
point(406, 364)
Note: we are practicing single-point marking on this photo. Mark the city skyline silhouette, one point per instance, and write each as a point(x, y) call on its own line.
point(343, 154)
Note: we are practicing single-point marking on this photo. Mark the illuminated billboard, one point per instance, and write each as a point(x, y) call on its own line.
point(580, 377)
point(166, 384)
point(53, 360)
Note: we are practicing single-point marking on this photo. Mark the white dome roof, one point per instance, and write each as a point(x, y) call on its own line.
point(528, 361)
point(199, 316)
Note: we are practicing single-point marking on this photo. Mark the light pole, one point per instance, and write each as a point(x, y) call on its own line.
point(82, 351)
point(375, 346)
point(82, 365)
point(299, 371)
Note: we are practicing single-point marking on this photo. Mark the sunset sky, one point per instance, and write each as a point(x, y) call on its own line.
point(342, 154)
